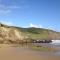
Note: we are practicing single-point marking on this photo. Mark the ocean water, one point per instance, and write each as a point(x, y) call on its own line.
point(51, 46)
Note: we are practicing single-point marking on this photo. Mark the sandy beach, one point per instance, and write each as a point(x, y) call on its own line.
point(16, 53)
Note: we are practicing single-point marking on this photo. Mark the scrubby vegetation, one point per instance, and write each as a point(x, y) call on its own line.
point(12, 34)
point(40, 33)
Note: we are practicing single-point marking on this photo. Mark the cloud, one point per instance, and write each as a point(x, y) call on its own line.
point(7, 9)
point(2, 6)
point(13, 7)
point(36, 26)
point(51, 28)
point(6, 22)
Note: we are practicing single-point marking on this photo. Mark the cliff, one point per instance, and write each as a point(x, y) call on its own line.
point(11, 34)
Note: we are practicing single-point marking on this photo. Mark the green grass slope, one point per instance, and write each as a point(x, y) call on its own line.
point(39, 33)
point(30, 33)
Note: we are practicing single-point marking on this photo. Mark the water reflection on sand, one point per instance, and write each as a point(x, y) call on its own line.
point(46, 48)
point(30, 51)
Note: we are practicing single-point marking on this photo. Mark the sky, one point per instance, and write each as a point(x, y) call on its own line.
point(31, 13)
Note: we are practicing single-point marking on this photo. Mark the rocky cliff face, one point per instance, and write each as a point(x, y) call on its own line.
point(9, 34)
point(54, 35)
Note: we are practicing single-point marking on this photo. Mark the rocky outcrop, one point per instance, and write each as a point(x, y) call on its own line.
point(9, 34)
point(52, 35)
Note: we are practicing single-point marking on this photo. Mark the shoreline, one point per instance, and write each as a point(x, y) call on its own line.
point(16, 53)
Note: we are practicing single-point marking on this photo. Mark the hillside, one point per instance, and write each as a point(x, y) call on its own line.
point(40, 33)
point(12, 34)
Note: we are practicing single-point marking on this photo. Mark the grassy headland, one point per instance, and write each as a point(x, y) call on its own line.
point(12, 34)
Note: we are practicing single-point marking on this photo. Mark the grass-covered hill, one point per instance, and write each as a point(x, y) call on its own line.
point(12, 34)
point(40, 33)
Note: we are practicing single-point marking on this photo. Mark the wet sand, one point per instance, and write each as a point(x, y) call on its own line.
point(16, 53)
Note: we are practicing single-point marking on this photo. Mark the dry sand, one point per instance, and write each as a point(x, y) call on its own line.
point(16, 53)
